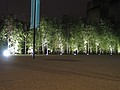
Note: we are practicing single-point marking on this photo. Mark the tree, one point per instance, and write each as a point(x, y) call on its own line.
point(10, 34)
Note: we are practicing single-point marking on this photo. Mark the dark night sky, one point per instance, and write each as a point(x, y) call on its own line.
point(52, 8)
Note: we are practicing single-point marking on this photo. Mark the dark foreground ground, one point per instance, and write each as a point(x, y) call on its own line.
point(60, 73)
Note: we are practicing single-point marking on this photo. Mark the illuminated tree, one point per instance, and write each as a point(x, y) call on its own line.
point(10, 34)
point(69, 35)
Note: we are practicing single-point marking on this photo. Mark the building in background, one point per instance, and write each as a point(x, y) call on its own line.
point(105, 9)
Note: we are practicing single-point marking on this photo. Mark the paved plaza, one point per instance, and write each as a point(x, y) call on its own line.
point(66, 72)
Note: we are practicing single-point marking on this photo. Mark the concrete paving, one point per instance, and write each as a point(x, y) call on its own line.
point(53, 72)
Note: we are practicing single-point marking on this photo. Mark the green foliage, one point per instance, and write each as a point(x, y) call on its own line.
point(10, 33)
point(61, 35)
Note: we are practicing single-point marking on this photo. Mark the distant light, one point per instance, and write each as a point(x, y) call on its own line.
point(85, 42)
point(31, 51)
point(87, 53)
point(119, 49)
point(60, 53)
point(6, 53)
point(74, 53)
point(97, 43)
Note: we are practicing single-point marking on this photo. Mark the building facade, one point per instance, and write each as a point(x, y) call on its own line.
point(105, 9)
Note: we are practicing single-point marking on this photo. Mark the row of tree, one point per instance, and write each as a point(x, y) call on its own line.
point(69, 35)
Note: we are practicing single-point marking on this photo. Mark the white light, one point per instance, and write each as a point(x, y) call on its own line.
point(60, 53)
point(119, 49)
point(74, 53)
point(87, 53)
point(97, 43)
point(6, 53)
point(85, 42)
point(31, 51)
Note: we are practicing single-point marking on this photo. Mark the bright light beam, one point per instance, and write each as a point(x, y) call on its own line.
point(6, 53)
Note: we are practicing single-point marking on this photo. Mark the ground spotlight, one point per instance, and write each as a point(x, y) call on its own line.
point(6, 53)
